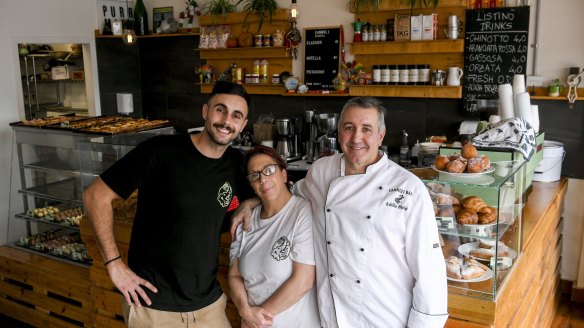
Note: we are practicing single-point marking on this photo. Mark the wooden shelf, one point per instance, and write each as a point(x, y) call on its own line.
point(243, 53)
point(407, 47)
point(332, 94)
point(238, 18)
point(254, 89)
point(540, 93)
point(149, 36)
point(406, 91)
point(402, 5)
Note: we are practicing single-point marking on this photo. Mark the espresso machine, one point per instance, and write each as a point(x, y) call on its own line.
point(286, 139)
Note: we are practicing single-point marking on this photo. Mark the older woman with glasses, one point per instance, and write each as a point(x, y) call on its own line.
point(272, 270)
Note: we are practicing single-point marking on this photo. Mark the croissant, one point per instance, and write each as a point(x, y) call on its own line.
point(485, 218)
point(476, 204)
point(453, 267)
point(466, 216)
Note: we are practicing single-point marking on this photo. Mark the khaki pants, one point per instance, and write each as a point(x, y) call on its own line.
point(212, 316)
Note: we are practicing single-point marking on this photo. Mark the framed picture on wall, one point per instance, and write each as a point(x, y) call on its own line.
point(160, 14)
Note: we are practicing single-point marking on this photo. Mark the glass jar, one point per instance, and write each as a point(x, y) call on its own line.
point(376, 74)
point(383, 33)
point(258, 40)
point(413, 75)
point(385, 74)
point(424, 74)
point(376, 33)
point(394, 74)
point(404, 74)
point(264, 71)
point(267, 40)
point(275, 78)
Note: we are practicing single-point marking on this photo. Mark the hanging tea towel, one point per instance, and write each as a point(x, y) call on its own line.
point(514, 133)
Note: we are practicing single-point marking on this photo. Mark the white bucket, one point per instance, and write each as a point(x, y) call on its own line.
point(550, 168)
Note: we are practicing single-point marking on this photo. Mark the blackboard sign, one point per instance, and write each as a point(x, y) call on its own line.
point(322, 49)
point(495, 49)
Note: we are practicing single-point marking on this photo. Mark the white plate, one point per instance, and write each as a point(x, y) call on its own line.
point(479, 180)
point(466, 175)
point(486, 276)
point(465, 249)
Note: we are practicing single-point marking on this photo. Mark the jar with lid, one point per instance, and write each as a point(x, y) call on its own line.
point(376, 74)
point(413, 75)
point(424, 74)
point(255, 79)
point(383, 33)
point(267, 40)
point(404, 74)
point(385, 74)
point(258, 40)
point(365, 35)
point(394, 74)
point(264, 71)
point(275, 78)
point(255, 67)
point(376, 33)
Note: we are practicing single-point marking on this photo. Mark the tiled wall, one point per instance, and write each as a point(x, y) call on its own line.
point(160, 74)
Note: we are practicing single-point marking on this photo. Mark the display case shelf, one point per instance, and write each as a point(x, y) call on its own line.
point(67, 190)
point(53, 166)
point(24, 216)
point(85, 264)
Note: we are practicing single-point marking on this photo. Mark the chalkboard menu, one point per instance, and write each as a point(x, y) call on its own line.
point(495, 49)
point(322, 48)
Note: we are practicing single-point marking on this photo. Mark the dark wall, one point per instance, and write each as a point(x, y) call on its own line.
point(160, 72)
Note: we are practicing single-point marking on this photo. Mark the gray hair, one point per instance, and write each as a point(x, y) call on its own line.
point(366, 103)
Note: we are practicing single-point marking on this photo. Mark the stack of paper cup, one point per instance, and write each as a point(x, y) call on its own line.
point(535, 118)
point(523, 107)
point(518, 84)
point(506, 110)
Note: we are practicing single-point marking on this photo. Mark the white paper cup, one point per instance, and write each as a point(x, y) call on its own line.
point(494, 119)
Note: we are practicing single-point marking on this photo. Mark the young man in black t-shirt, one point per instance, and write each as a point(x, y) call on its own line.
point(185, 184)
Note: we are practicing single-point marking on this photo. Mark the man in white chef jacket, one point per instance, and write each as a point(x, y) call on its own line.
point(377, 250)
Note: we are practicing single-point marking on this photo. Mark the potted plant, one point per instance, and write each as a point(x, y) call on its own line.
point(219, 7)
point(555, 88)
point(262, 8)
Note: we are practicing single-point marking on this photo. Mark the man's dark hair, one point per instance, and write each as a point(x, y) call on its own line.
point(230, 88)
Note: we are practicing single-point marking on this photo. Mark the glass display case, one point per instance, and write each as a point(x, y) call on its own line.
point(479, 218)
point(46, 205)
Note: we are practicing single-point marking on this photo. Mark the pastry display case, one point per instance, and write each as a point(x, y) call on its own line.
point(47, 180)
point(479, 217)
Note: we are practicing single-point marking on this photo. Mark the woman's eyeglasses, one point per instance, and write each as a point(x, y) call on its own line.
point(267, 171)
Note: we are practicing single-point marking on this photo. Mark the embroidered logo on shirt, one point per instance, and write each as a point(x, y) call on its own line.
point(281, 249)
point(225, 194)
point(399, 202)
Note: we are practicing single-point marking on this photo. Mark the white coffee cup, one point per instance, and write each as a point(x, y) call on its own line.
point(454, 76)
point(494, 119)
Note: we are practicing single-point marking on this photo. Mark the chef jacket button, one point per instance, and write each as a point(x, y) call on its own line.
point(369, 216)
point(328, 209)
point(329, 242)
point(331, 275)
point(380, 188)
point(358, 281)
point(362, 249)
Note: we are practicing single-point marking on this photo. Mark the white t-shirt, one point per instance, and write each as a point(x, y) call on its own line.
point(266, 254)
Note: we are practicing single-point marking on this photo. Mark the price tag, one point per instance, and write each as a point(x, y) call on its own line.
point(503, 262)
point(445, 223)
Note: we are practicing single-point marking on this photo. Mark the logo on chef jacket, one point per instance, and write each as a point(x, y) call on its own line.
point(225, 194)
point(400, 200)
point(281, 249)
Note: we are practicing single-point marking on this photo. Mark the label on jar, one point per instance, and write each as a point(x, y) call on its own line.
point(404, 75)
point(258, 40)
point(394, 75)
point(413, 75)
point(385, 74)
point(275, 79)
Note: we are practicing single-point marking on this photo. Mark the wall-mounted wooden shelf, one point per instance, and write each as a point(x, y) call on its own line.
point(98, 35)
point(406, 91)
point(407, 47)
point(540, 93)
point(238, 19)
point(402, 5)
point(332, 94)
point(243, 53)
point(256, 89)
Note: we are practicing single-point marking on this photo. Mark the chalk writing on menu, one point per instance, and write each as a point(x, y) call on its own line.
point(321, 57)
point(495, 49)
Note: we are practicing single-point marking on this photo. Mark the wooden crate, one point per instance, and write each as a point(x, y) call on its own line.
point(44, 292)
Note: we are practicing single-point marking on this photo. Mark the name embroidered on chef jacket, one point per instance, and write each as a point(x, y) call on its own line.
point(399, 202)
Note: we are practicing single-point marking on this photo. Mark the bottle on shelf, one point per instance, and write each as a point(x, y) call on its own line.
point(140, 18)
point(415, 152)
point(404, 150)
point(264, 71)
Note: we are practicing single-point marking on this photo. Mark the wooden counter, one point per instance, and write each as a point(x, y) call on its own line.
point(48, 293)
point(531, 294)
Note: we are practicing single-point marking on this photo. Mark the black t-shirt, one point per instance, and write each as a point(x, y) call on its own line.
point(182, 199)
